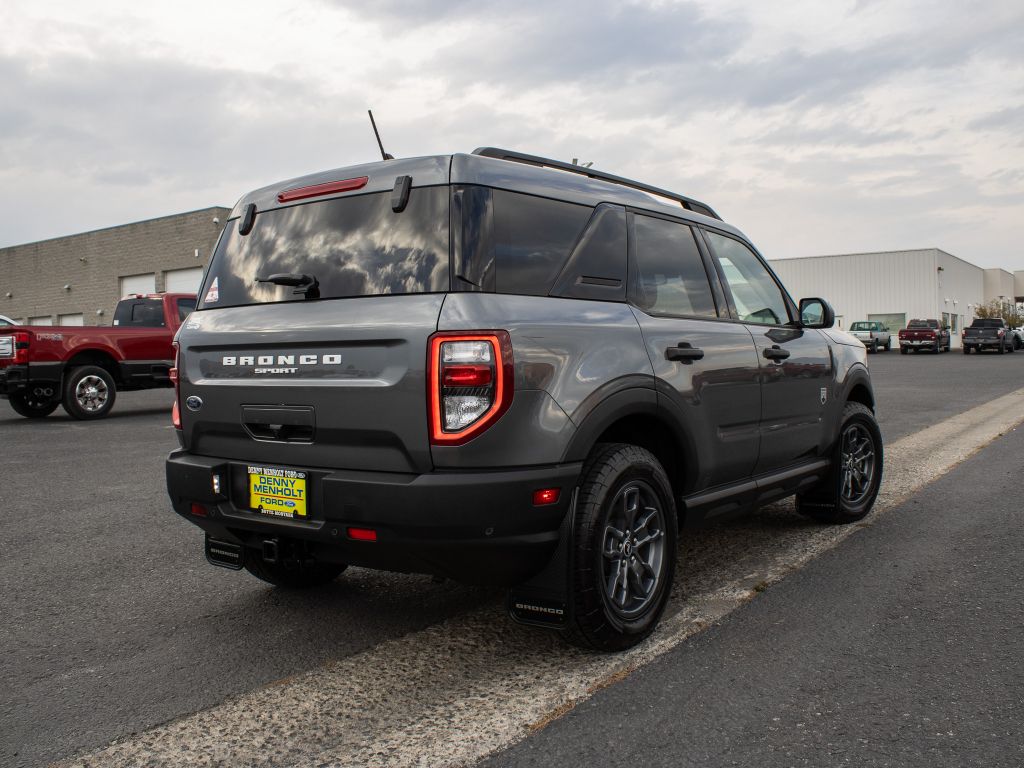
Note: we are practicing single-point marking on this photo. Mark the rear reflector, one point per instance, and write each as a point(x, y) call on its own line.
point(362, 534)
point(198, 510)
point(546, 496)
point(176, 415)
point(327, 188)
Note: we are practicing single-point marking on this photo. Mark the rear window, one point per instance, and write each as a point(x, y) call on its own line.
point(987, 323)
point(140, 313)
point(923, 324)
point(352, 246)
point(863, 327)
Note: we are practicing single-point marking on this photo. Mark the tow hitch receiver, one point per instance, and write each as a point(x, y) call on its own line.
point(224, 553)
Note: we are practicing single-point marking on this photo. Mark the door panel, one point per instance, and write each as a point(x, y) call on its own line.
point(794, 395)
point(718, 396)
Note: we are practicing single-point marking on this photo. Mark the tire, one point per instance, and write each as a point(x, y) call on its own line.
point(291, 575)
point(967, 350)
point(89, 393)
point(844, 497)
point(874, 347)
point(623, 491)
point(32, 407)
point(903, 350)
point(1002, 348)
point(888, 345)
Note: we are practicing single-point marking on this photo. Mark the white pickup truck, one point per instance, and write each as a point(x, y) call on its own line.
point(873, 334)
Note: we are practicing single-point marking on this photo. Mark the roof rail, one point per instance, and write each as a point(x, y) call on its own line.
point(519, 157)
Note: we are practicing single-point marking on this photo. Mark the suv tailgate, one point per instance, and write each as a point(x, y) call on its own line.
point(338, 384)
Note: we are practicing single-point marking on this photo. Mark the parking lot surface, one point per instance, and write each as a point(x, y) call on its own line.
point(115, 623)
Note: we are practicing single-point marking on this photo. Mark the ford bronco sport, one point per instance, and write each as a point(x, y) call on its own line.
point(501, 368)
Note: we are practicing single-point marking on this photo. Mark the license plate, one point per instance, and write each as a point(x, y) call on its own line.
point(277, 492)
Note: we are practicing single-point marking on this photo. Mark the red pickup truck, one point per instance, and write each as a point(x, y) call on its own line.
point(83, 368)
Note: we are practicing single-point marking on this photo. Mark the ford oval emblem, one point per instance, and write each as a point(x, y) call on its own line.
point(193, 403)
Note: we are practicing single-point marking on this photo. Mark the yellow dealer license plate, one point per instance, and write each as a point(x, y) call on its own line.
point(277, 492)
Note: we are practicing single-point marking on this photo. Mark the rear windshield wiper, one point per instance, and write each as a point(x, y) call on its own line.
point(307, 285)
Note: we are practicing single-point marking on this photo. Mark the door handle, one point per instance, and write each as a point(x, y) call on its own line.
point(775, 352)
point(684, 353)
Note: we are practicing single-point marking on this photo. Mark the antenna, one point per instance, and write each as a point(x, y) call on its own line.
point(376, 133)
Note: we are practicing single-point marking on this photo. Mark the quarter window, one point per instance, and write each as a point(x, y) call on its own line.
point(755, 293)
point(671, 279)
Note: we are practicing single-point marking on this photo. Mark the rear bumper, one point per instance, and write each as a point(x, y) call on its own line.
point(13, 380)
point(476, 527)
point(983, 342)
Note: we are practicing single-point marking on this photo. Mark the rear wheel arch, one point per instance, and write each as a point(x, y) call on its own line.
point(98, 357)
point(635, 417)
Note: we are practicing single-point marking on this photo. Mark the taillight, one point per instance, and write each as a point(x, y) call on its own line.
point(1000, 333)
point(470, 384)
point(173, 374)
point(21, 345)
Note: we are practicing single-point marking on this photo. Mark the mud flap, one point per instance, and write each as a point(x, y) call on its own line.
point(543, 600)
point(224, 554)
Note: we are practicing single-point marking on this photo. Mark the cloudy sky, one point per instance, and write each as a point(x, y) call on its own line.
point(816, 127)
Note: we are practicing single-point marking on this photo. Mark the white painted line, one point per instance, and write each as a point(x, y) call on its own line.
point(458, 691)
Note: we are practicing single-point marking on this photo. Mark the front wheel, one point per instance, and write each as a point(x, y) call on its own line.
point(32, 406)
point(624, 542)
point(89, 392)
point(849, 492)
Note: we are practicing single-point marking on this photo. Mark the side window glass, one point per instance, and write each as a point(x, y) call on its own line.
point(532, 240)
point(185, 308)
point(671, 279)
point(756, 295)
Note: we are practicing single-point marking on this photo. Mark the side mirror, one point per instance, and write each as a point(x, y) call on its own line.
point(816, 313)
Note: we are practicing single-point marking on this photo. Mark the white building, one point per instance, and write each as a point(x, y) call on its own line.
point(897, 286)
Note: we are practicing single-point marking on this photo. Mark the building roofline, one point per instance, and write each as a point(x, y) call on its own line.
point(118, 226)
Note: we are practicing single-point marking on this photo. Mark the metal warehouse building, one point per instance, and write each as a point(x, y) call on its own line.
point(77, 280)
point(897, 286)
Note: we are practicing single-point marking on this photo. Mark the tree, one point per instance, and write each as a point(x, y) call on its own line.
point(996, 308)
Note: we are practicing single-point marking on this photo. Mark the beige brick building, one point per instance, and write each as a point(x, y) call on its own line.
point(78, 279)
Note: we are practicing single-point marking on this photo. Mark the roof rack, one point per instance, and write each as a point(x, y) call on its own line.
point(519, 157)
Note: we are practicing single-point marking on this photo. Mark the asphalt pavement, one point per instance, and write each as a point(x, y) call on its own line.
point(904, 646)
point(113, 621)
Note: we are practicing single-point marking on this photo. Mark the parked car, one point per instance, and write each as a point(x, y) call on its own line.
point(988, 333)
point(449, 365)
point(872, 334)
point(924, 334)
point(83, 368)
point(6, 321)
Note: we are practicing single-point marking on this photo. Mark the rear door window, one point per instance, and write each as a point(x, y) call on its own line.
point(670, 274)
point(352, 246)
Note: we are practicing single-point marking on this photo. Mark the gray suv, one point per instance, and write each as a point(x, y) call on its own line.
point(505, 369)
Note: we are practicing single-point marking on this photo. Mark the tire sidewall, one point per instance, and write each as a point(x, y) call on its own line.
point(865, 419)
point(70, 401)
point(629, 464)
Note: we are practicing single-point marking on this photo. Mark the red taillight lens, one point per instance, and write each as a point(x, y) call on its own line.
point(466, 375)
point(362, 534)
point(470, 383)
point(21, 345)
point(198, 510)
point(328, 188)
point(546, 496)
point(173, 375)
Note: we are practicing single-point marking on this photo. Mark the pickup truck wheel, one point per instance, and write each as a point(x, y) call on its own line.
point(292, 576)
point(89, 392)
point(849, 492)
point(888, 345)
point(967, 350)
point(624, 543)
point(903, 350)
point(32, 407)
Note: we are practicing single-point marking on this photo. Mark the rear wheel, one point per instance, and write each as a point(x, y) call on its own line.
point(624, 543)
point(849, 492)
point(33, 406)
point(89, 392)
point(967, 350)
point(903, 350)
point(888, 344)
point(293, 575)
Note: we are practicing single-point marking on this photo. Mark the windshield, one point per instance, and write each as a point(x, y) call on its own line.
point(352, 246)
point(863, 327)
